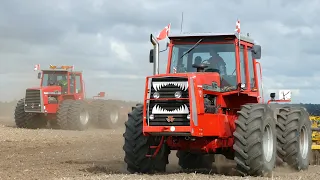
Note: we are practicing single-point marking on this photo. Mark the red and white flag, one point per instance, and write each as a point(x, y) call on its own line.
point(36, 67)
point(164, 33)
point(238, 26)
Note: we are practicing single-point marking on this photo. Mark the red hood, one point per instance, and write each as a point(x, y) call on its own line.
point(47, 88)
point(199, 77)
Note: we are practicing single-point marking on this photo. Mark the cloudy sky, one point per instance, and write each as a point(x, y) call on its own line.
point(109, 40)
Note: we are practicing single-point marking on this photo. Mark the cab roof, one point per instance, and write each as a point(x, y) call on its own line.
point(210, 35)
point(60, 70)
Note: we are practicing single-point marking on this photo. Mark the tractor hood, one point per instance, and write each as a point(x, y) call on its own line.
point(48, 89)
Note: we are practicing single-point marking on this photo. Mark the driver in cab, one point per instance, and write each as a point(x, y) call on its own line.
point(216, 62)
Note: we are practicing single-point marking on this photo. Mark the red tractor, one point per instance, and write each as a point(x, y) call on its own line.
point(60, 102)
point(209, 102)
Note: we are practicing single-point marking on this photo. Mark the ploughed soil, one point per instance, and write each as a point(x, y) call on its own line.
point(93, 154)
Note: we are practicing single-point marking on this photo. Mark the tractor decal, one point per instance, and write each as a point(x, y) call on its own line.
point(183, 85)
point(181, 110)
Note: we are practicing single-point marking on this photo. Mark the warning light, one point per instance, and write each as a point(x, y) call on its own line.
point(62, 67)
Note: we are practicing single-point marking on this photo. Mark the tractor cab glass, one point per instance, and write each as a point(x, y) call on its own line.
point(218, 58)
point(55, 78)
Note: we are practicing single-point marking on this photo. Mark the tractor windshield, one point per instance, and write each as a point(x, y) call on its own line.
point(52, 78)
point(219, 58)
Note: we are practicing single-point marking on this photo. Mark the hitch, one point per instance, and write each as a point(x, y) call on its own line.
point(157, 148)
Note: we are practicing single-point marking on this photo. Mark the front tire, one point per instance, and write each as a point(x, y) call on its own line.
point(136, 147)
point(255, 140)
point(192, 161)
point(27, 120)
point(294, 137)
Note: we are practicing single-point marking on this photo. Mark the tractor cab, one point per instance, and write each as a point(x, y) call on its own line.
point(63, 77)
point(56, 84)
point(215, 57)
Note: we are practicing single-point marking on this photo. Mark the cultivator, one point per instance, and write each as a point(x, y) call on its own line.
point(315, 158)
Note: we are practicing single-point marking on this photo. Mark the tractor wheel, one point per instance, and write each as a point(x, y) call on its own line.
point(27, 120)
point(294, 137)
point(73, 115)
point(94, 110)
point(137, 146)
point(191, 161)
point(315, 157)
point(62, 114)
point(108, 116)
point(78, 115)
point(255, 140)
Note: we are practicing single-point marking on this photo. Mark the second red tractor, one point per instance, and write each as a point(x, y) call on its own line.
point(60, 102)
point(210, 102)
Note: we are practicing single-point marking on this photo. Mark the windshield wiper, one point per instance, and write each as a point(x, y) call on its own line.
point(194, 46)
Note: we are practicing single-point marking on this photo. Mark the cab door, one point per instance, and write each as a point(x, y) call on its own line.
point(79, 91)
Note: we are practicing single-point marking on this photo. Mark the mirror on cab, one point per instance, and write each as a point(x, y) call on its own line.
point(272, 96)
point(256, 51)
point(101, 94)
point(151, 56)
point(39, 75)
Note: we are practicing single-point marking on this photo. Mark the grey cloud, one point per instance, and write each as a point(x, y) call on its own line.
point(64, 32)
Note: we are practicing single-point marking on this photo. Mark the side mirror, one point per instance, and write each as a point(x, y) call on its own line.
point(101, 94)
point(256, 51)
point(272, 96)
point(151, 56)
point(39, 75)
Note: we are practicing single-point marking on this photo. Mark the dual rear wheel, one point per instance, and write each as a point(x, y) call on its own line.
point(260, 139)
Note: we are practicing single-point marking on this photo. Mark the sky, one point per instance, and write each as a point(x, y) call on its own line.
point(109, 41)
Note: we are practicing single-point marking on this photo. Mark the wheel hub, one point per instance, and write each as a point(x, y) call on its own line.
point(84, 117)
point(114, 116)
point(304, 143)
point(267, 143)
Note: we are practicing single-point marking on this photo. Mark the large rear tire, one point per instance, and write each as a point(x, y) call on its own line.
point(192, 161)
point(62, 114)
point(108, 115)
point(255, 140)
point(73, 115)
point(27, 120)
point(136, 147)
point(294, 137)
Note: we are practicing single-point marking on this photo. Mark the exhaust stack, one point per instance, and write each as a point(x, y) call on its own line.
point(155, 44)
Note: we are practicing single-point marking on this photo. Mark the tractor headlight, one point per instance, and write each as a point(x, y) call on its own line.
point(156, 95)
point(178, 94)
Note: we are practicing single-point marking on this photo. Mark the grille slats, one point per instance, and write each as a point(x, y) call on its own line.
point(170, 105)
point(33, 100)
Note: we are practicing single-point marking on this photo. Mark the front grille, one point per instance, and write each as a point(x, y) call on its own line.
point(177, 108)
point(32, 101)
point(167, 86)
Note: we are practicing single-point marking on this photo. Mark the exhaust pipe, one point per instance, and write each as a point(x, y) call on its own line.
point(155, 44)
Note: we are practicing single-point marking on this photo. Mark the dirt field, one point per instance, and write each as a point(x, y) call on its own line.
point(92, 154)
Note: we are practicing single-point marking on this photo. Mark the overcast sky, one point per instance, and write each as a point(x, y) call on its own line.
point(109, 40)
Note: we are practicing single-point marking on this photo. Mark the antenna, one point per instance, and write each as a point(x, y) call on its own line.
point(181, 23)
